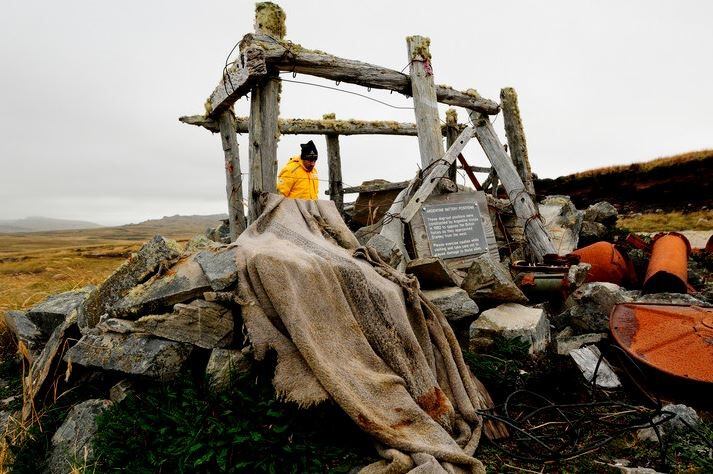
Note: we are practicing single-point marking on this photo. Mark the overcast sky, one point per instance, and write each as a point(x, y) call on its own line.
point(91, 91)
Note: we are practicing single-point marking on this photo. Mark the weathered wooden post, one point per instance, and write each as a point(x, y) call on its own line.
point(336, 187)
point(423, 90)
point(516, 137)
point(538, 239)
point(264, 111)
point(451, 135)
point(233, 181)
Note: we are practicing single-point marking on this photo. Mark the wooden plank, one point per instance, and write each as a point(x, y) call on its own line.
point(452, 132)
point(371, 188)
point(430, 140)
point(477, 169)
point(515, 134)
point(233, 181)
point(291, 126)
point(292, 57)
point(335, 168)
point(437, 171)
point(537, 238)
point(237, 81)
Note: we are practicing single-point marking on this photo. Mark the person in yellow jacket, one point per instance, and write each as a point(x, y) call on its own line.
point(298, 178)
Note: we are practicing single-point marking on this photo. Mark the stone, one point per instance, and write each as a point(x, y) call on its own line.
point(591, 304)
point(200, 323)
point(220, 267)
point(72, 442)
point(220, 234)
point(587, 359)
point(432, 272)
point(671, 298)
point(592, 232)
point(565, 345)
point(120, 390)
point(51, 312)
point(602, 213)
point(577, 275)
point(136, 354)
point(638, 470)
point(488, 281)
point(47, 362)
point(454, 302)
point(363, 234)
point(181, 283)
point(562, 221)
point(513, 321)
point(29, 337)
point(387, 250)
point(225, 364)
point(683, 417)
point(157, 254)
point(201, 242)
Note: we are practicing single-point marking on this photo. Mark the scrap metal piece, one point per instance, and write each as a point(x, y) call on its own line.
point(608, 264)
point(675, 339)
point(668, 267)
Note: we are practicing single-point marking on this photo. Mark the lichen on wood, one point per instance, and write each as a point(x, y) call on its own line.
point(270, 19)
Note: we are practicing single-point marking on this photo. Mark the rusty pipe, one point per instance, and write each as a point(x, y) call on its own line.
point(608, 264)
point(668, 266)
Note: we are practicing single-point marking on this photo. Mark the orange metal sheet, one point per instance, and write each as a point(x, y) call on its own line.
point(608, 264)
point(675, 339)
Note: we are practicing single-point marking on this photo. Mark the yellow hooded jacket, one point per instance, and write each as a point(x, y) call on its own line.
point(294, 181)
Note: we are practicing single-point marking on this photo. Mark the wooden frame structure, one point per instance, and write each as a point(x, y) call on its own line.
point(265, 53)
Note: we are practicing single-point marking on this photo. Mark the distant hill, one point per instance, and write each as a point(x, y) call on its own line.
point(680, 182)
point(43, 224)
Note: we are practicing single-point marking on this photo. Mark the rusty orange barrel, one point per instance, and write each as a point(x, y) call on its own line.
point(668, 266)
point(608, 264)
point(675, 339)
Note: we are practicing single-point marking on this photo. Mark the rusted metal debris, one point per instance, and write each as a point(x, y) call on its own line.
point(674, 339)
point(668, 266)
point(608, 264)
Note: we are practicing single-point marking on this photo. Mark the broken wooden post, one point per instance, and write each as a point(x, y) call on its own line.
point(425, 104)
point(537, 237)
point(233, 181)
point(452, 133)
point(335, 167)
point(264, 111)
point(516, 137)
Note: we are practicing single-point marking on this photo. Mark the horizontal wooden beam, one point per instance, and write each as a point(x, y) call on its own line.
point(319, 127)
point(478, 169)
point(372, 188)
point(287, 56)
point(237, 81)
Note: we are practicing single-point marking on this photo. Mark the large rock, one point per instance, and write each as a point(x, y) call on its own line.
point(136, 354)
point(563, 222)
point(432, 272)
point(488, 281)
point(512, 321)
point(51, 312)
point(29, 337)
point(591, 304)
point(183, 282)
point(454, 302)
point(72, 442)
point(387, 250)
point(226, 364)
point(592, 232)
point(683, 417)
point(671, 298)
point(220, 267)
point(158, 253)
point(602, 213)
point(200, 323)
point(38, 380)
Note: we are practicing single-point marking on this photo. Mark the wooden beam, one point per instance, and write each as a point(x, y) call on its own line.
point(515, 134)
point(423, 89)
point(372, 188)
point(292, 57)
point(537, 237)
point(434, 177)
point(335, 168)
point(233, 181)
point(237, 80)
point(321, 127)
point(264, 112)
point(452, 133)
point(477, 169)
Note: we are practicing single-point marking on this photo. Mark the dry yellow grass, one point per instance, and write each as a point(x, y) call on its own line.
point(667, 221)
point(649, 165)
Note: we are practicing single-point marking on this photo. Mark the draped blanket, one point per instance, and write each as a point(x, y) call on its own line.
point(347, 327)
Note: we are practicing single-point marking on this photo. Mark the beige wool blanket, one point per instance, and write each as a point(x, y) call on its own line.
point(349, 328)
